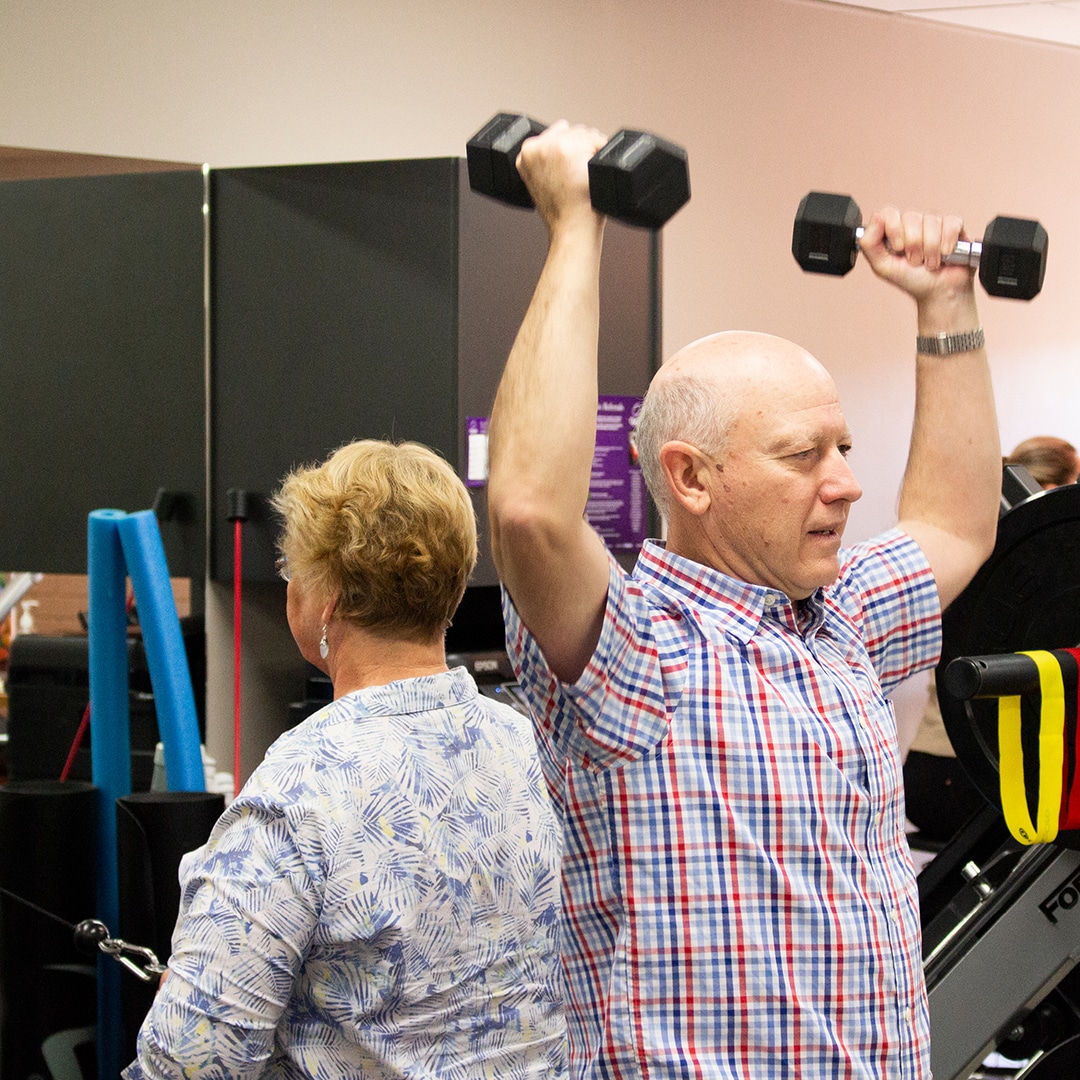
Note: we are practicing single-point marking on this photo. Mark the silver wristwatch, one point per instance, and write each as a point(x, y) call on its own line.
point(947, 344)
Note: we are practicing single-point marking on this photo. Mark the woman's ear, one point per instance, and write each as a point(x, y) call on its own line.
point(688, 474)
point(331, 606)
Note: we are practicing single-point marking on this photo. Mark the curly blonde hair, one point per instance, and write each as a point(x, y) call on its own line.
point(389, 527)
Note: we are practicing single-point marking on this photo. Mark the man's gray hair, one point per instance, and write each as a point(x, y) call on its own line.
point(686, 408)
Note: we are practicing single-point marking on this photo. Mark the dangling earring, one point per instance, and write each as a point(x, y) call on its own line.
point(324, 645)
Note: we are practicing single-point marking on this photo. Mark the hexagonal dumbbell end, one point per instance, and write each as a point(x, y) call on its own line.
point(492, 157)
point(826, 228)
point(1013, 258)
point(639, 178)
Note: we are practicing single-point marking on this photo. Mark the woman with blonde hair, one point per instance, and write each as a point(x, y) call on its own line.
point(382, 898)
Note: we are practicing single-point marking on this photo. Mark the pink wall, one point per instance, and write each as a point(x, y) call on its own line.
point(771, 98)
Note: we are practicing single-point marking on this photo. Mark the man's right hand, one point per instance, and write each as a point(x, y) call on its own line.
point(555, 168)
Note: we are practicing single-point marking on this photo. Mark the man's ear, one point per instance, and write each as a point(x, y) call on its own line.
point(688, 474)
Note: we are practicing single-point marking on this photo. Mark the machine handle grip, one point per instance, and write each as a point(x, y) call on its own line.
point(1003, 675)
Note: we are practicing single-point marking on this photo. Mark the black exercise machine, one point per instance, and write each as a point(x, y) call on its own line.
point(1001, 919)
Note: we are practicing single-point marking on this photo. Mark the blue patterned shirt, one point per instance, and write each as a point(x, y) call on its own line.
point(738, 895)
point(381, 900)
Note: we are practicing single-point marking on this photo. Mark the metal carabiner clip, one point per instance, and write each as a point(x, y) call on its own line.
point(117, 949)
point(91, 932)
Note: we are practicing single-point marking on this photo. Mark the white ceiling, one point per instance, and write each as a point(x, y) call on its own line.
point(1042, 20)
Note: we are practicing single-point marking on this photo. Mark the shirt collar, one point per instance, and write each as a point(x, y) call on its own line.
point(421, 694)
point(742, 607)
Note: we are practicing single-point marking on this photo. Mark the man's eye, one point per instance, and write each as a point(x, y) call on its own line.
point(844, 449)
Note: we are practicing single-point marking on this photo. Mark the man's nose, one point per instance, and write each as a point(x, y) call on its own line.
point(840, 483)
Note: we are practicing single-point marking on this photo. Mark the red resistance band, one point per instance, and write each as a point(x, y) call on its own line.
point(1069, 659)
point(238, 577)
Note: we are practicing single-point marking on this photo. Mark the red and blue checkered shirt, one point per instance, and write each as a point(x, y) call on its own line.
point(739, 899)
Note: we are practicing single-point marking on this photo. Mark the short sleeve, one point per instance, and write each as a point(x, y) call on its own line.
point(887, 585)
point(620, 707)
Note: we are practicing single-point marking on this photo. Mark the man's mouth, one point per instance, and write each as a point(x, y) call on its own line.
point(827, 534)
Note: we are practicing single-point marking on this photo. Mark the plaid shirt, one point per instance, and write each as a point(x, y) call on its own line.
point(738, 896)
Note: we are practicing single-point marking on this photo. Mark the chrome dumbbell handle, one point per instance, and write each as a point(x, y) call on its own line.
point(966, 252)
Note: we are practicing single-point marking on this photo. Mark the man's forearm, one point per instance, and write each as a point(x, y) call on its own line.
point(953, 477)
point(544, 420)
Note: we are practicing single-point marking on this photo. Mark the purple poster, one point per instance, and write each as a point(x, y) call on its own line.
point(617, 507)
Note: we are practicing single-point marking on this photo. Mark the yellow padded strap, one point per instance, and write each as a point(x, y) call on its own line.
point(1051, 754)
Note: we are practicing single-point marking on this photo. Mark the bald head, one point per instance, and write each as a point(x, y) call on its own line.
point(702, 393)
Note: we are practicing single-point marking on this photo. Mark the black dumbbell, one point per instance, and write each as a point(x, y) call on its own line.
point(635, 177)
point(1011, 256)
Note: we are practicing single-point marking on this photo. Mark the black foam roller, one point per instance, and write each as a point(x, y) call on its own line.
point(154, 830)
point(48, 989)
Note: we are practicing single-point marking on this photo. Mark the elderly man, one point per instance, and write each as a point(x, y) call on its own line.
point(738, 896)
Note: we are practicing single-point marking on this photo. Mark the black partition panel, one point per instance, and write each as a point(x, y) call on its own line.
point(501, 252)
point(377, 300)
point(333, 318)
point(102, 349)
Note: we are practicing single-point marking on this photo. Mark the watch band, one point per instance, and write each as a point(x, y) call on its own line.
point(947, 344)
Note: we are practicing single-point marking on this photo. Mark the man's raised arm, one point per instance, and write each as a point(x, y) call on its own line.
point(543, 424)
point(952, 485)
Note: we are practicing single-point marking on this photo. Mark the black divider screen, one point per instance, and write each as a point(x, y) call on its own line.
point(334, 317)
point(377, 300)
point(102, 354)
